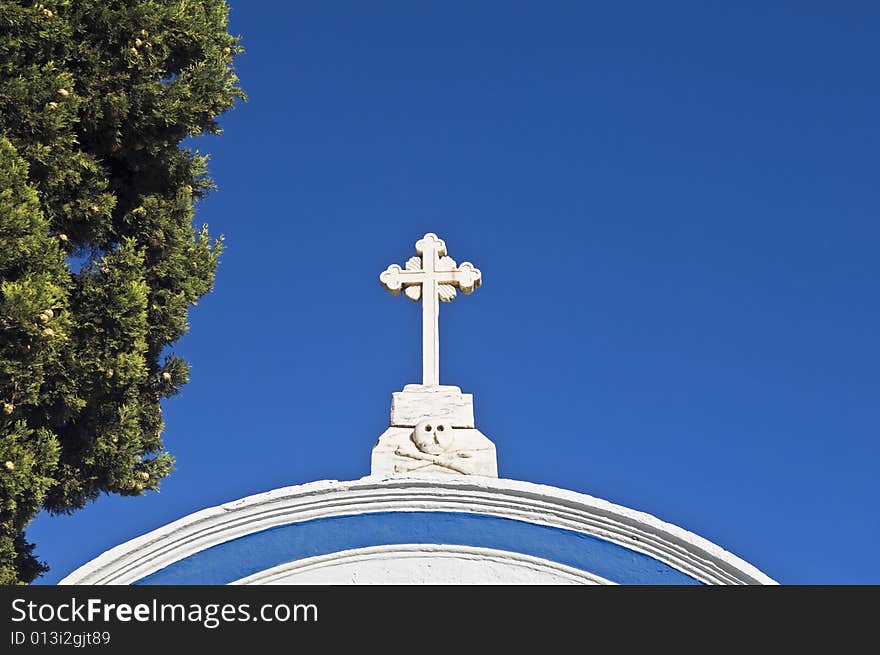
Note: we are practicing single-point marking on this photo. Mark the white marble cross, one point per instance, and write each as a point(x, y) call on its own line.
point(431, 277)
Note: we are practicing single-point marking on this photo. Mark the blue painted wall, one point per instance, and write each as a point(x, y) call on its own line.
point(237, 558)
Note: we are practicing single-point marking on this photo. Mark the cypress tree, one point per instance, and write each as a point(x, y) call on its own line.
point(99, 257)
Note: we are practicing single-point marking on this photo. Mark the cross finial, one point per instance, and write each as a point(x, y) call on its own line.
point(430, 277)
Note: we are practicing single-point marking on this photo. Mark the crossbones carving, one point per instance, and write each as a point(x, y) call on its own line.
point(446, 461)
point(433, 441)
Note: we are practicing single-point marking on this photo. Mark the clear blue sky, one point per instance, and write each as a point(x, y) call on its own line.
point(675, 210)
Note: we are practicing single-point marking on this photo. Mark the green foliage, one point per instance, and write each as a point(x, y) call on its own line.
point(99, 259)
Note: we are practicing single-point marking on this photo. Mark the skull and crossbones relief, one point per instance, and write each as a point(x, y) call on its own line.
point(434, 442)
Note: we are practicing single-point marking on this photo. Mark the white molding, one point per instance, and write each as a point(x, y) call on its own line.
point(445, 564)
point(523, 501)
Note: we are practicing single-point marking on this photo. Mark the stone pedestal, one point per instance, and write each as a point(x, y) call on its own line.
point(432, 433)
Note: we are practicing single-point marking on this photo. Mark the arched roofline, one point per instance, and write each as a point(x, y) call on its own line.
point(526, 502)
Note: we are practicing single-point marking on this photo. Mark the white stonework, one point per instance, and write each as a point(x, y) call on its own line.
point(443, 402)
point(468, 453)
point(431, 277)
point(432, 427)
point(423, 564)
point(432, 432)
point(519, 501)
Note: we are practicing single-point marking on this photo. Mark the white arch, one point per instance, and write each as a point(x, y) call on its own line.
point(522, 501)
point(422, 564)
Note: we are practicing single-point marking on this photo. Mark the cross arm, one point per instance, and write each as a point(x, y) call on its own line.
point(466, 277)
point(394, 278)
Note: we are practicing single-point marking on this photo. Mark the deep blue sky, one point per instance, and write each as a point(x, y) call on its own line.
point(675, 209)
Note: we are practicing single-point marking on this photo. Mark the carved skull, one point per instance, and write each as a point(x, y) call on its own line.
point(433, 436)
